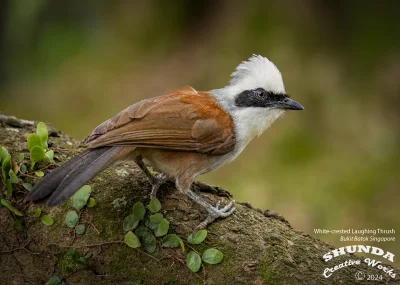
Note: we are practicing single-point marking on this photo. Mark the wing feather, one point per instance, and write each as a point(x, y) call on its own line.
point(186, 120)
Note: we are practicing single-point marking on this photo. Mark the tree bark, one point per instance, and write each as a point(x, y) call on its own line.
point(259, 247)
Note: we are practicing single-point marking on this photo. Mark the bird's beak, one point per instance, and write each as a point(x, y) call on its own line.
point(289, 104)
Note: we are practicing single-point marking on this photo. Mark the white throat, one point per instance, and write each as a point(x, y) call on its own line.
point(249, 121)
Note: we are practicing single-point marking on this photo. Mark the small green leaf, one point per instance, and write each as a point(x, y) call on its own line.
point(156, 218)
point(171, 240)
point(80, 229)
point(20, 157)
point(6, 166)
point(54, 280)
point(9, 188)
point(18, 224)
point(27, 186)
point(3, 153)
point(154, 205)
point(49, 156)
point(162, 229)
point(193, 261)
point(13, 177)
point(43, 134)
point(81, 197)
point(149, 242)
point(139, 231)
point(212, 256)
point(71, 219)
point(198, 237)
point(151, 225)
point(130, 222)
point(23, 168)
point(131, 240)
point(37, 154)
point(11, 207)
point(47, 220)
point(91, 203)
point(33, 140)
point(39, 173)
point(139, 211)
point(38, 212)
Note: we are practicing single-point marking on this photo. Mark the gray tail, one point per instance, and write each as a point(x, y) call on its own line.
point(68, 178)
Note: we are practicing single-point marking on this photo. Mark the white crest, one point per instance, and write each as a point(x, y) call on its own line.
point(257, 72)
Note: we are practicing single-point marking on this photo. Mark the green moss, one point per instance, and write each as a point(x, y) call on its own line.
point(65, 263)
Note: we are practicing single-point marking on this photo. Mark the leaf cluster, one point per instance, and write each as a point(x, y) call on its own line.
point(143, 230)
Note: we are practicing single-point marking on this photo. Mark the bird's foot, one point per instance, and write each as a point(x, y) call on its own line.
point(216, 212)
point(159, 180)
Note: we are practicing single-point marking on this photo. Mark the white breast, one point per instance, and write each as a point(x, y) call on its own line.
point(249, 122)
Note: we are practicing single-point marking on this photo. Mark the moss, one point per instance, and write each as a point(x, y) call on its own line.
point(65, 263)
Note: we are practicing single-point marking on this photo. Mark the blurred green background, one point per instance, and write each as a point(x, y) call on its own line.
point(334, 165)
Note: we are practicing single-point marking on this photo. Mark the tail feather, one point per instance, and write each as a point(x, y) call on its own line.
point(77, 178)
point(60, 184)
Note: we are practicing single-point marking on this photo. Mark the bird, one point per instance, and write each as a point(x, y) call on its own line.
point(181, 135)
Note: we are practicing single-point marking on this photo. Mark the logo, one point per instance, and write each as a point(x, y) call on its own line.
point(369, 261)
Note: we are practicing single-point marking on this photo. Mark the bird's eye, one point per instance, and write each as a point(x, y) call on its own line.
point(260, 93)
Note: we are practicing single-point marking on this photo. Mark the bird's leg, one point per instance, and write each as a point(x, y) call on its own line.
point(155, 181)
point(213, 212)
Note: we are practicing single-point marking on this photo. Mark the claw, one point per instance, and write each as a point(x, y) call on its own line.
point(229, 206)
point(215, 212)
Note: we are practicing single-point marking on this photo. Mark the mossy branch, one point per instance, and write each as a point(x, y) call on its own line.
point(259, 247)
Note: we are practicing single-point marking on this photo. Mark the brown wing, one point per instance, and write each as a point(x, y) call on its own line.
point(185, 120)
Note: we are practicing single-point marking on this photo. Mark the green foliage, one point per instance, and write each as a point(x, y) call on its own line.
point(139, 231)
point(150, 225)
point(33, 140)
point(198, 237)
point(139, 211)
point(80, 229)
point(193, 261)
point(43, 134)
point(20, 157)
point(38, 212)
point(81, 197)
point(49, 156)
point(9, 206)
point(172, 240)
point(156, 218)
point(38, 146)
point(155, 205)
point(39, 173)
point(37, 154)
point(18, 224)
point(77, 258)
point(5, 163)
point(13, 177)
point(91, 203)
point(130, 223)
point(55, 280)
point(162, 228)
point(27, 186)
point(147, 229)
point(212, 256)
point(71, 219)
point(132, 240)
point(47, 220)
point(149, 242)
point(23, 168)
